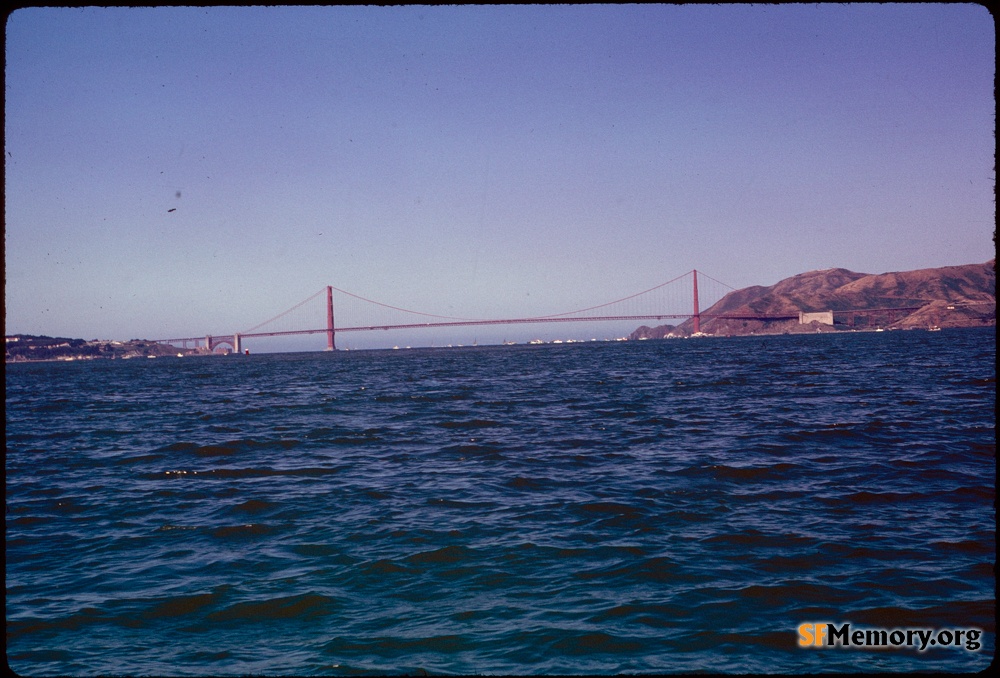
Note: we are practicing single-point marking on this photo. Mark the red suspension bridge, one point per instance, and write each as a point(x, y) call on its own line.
point(669, 300)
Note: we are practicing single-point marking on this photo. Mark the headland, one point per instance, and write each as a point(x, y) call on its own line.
point(836, 300)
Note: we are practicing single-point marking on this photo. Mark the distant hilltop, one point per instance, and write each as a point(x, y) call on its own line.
point(837, 299)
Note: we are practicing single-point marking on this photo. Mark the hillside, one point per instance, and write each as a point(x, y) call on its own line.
point(31, 348)
point(951, 296)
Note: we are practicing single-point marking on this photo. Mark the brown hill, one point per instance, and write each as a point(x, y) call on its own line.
point(646, 332)
point(951, 296)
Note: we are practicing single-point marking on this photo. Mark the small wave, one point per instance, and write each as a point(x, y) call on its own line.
point(222, 429)
point(26, 521)
point(455, 503)
point(447, 554)
point(768, 495)
point(522, 483)
point(687, 516)
point(384, 567)
point(215, 450)
point(740, 472)
point(177, 447)
point(727, 381)
point(651, 614)
point(617, 413)
point(471, 423)
point(966, 547)
point(855, 552)
point(229, 447)
point(866, 497)
point(658, 421)
point(321, 551)
point(983, 449)
point(388, 646)
point(169, 528)
point(608, 507)
point(978, 613)
point(306, 606)
point(241, 473)
point(254, 506)
point(422, 398)
point(486, 450)
point(981, 570)
point(981, 494)
point(833, 435)
point(55, 405)
point(613, 515)
point(658, 570)
point(203, 656)
point(787, 564)
point(40, 656)
point(794, 593)
point(596, 643)
point(242, 531)
point(596, 553)
point(322, 433)
point(87, 616)
point(752, 538)
point(775, 640)
point(353, 440)
point(181, 606)
point(138, 459)
point(576, 443)
point(68, 505)
point(643, 440)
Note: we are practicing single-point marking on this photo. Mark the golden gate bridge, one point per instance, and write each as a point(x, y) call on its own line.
point(666, 301)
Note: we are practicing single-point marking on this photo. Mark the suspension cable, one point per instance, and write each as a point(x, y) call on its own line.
point(284, 313)
point(716, 281)
point(631, 296)
point(404, 310)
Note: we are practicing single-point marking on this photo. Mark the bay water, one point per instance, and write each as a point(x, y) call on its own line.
point(627, 507)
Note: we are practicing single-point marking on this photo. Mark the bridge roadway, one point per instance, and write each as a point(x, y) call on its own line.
point(505, 321)
point(236, 337)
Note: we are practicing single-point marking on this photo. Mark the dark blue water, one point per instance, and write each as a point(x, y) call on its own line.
point(615, 507)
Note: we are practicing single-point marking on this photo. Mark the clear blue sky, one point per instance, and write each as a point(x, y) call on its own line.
point(182, 171)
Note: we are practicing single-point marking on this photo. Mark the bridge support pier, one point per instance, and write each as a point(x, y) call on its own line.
point(236, 344)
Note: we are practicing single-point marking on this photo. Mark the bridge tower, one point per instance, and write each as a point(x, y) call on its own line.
point(697, 313)
point(330, 339)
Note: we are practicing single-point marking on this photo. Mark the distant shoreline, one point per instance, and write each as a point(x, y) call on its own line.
point(169, 351)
